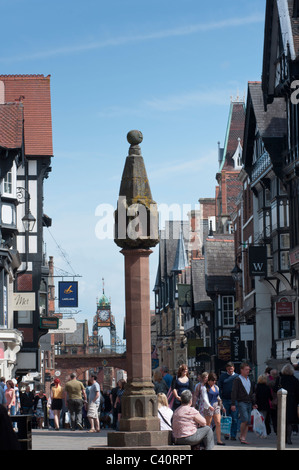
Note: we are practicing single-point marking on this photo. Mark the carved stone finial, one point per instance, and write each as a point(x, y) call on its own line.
point(136, 217)
point(134, 137)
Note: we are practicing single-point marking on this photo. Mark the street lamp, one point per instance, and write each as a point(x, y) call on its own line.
point(237, 273)
point(28, 221)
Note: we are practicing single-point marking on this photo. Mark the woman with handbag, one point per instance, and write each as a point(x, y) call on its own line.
point(213, 405)
point(164, 412)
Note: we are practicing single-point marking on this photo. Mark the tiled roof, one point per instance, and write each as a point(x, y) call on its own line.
point(273, 122)
point(198, 283)
point(235, 131)
point(219, 262)
point(34, 92)
point(170, 237)
point(11, 123)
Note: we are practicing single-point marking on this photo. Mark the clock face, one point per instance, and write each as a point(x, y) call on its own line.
point(104, 315)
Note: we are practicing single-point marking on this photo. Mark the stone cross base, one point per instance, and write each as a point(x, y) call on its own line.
point(139, 439)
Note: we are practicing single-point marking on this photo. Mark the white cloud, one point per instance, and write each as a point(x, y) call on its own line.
point(189, 99)
point(123, 40)
point(175, 102)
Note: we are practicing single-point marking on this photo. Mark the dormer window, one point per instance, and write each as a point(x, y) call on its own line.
point(237, 158)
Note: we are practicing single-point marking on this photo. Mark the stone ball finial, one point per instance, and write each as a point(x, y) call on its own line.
point(134, 137)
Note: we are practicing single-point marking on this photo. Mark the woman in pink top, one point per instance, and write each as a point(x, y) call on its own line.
point(10, 396)
point(189, 427)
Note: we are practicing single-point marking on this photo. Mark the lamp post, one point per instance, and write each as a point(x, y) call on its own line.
point(237, 273)
point(28, 219)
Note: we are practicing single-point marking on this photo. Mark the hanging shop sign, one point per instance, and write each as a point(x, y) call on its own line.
point(224, 351)
point(284, 308)
point(46, 323)
point(68, 294)
point(237, 347)
point(258, 261)
point(66, 325)
point(203, 354)
point(247, 332)
point(23, 301)
point(294, 256)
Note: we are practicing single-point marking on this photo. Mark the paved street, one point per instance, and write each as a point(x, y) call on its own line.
point(81, 440)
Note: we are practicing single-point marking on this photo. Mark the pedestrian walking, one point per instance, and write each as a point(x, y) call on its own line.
point(17, 393)
point(106, 410)
point(94, 400)
point(39, 408)
point(288, 381)
point(27, 401)
point(2, 396)
point(10, 396)
point(113, 396)
point(56, 401)
point(225, 384)
point(159, 383)
point(271, 380)
point(51, 423)
point(165, 414)
point(180, 383)
point(166, 376)
point(213, 405)
point(74, 389)
point(117, 403)
point(263, 397)
point(189, 427)
point(243, 396)
point(197, 401)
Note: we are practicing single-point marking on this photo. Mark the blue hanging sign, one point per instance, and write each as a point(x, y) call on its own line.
point(68, 294)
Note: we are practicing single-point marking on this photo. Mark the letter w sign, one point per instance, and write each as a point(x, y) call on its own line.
point(258, 261)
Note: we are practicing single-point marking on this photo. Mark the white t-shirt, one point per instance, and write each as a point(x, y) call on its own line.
point(167, 414)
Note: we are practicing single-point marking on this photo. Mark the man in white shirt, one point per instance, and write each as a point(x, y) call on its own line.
point(94, 400)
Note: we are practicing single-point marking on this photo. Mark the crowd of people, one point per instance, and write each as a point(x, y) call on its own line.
point(71, 405)
point(193, 412)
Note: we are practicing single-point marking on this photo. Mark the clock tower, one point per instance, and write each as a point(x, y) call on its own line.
point(103, 319)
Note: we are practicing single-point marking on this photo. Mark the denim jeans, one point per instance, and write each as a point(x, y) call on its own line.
point(245, 412)
point(234, 414)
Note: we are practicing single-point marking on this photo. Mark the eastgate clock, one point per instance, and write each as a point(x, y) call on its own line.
point(104, 315)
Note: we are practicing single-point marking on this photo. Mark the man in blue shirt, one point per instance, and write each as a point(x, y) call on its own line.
point(2, 396)
point(225, 384)
point(166, 376)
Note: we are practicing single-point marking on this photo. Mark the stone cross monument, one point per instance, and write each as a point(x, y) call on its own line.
point(136, 232)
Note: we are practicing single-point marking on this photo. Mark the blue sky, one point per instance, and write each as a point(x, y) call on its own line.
point(165, 67)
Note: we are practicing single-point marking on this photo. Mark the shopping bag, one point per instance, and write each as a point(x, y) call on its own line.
point(259, 426)
point(170, 397)
point(226, 424)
